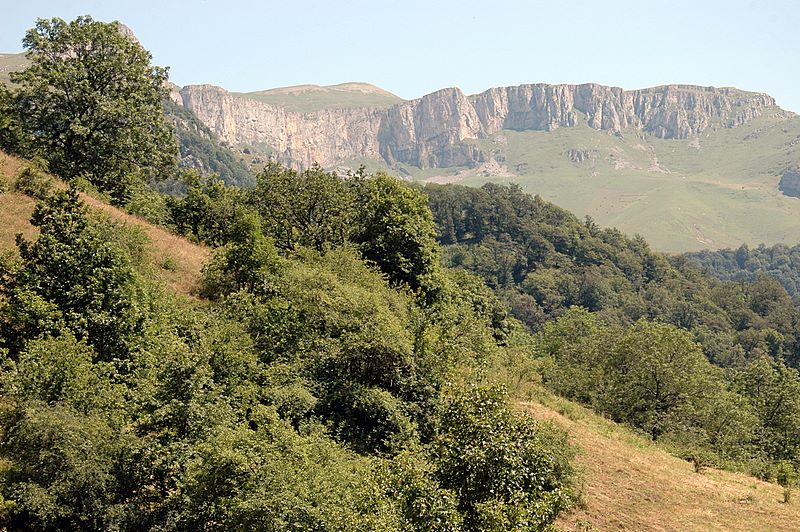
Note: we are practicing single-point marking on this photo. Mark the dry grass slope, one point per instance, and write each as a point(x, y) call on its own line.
point(176, 261)
point(632, 484)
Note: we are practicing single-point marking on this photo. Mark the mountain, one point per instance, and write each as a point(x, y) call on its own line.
point(434, 131)
point(199, 148)
point(688, 167)
point(11, 63)
point(307, 98)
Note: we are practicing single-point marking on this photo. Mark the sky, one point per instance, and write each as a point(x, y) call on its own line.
point(412, 47)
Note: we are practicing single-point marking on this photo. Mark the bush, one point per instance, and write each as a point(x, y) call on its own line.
point(150, 205)
point(33, 183)
point(508, 471)
point(786, 475)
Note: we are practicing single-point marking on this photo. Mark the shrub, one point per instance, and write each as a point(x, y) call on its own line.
point(33, 183)
point(508, 471)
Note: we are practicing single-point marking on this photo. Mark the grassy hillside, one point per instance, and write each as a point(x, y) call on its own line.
point(11, 63)
point(306, 98)
point(175, 260)
point(632, 484)
point(716, 191)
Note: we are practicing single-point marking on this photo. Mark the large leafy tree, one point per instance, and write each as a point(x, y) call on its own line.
point(310, 208)
point(91, 104)
point(395, 230)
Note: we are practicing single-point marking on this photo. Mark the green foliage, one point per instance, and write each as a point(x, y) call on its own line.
point(395, 230)
point(31, 182)
point(71, 278)
point(149, 205)
point(542, 260)
point(423, 504)
point(248, 263)
point(63, 472)
point(507, 471)
point(774, 392)
point(12, 136)
point(310, 208)
point(210, 212)
point(654, 377)
point(90, 103)
point(61, 370)
point(309, 392)
point(780, 261)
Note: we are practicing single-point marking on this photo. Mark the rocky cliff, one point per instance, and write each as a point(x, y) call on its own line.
point(430, 131)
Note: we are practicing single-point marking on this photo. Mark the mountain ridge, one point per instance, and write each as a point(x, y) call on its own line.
point(689, 167)
point(429, 132)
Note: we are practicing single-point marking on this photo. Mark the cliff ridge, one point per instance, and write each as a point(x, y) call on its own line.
point(430, 132)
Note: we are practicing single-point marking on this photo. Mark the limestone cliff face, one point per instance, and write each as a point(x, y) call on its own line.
point(430, 131)
point(299, 139)
point(671, 111)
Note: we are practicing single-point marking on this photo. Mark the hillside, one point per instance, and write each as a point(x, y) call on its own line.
point(631, 484)
point(706, 192)
point(11, 63)
point(319, 352)
point(175, 260)
point(307, 98)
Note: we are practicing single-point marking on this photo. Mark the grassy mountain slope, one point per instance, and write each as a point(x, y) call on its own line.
point(632, 484)
point(306, 98)
point(11, 63)
point(176, 261)
point(718, 190)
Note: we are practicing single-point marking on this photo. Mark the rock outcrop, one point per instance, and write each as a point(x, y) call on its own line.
point(431, 131)
point(300, 139)
point(790, 182)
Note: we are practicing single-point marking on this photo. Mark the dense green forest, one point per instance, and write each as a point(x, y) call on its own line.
point(342, 365)
point(780, 262)
point(643, 338)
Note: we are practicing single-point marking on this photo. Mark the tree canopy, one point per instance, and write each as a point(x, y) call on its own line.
point(90, 103)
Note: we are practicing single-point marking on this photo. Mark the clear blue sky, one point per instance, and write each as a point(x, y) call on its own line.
point(414, 47)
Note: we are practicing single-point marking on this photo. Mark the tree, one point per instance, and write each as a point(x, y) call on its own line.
point(210, 212)
point(394, 229)
point(91, 104)
point(310, 208)
point(507, 471)
point(71, 278)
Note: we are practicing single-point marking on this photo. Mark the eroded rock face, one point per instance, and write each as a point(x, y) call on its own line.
point(431, 131)
point(428, 132)
point(671, 111)
point(299, 139)
point(790, 182)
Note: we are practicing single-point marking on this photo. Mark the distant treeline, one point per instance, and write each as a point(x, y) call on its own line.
point(780, 262)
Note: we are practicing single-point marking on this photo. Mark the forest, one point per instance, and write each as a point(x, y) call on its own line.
point(346, 361)
point(781, 262)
